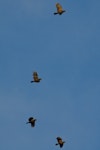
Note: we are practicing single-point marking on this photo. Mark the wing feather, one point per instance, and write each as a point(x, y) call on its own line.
point(35, 76)
point(59, 7)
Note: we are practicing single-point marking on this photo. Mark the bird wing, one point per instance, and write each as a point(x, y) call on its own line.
point(35, 76)
point(59, 7)
point(30, 119)
point(59, 140)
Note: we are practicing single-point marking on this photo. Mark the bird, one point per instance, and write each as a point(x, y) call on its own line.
point(59, 9)
point(31, 120)
point(60, 142)
point(35, 77)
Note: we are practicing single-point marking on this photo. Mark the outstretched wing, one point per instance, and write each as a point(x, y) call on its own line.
point(35, 76)
point(59, 8)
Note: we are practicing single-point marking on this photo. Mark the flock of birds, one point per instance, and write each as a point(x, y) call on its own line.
point(36, 79)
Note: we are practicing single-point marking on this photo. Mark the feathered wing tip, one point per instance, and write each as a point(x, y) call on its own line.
point(64, 10)
point(55, 13)
point(34, 119)
point(31, 81)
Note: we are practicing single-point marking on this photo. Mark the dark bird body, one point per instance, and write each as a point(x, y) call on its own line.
point(31, 120)
point(35, 77)
point(60, 142)
point(59, 9)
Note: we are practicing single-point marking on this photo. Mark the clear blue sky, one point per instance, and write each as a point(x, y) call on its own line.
point(65, 51)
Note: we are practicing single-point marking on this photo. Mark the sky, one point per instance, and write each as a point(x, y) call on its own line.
point(65, 51)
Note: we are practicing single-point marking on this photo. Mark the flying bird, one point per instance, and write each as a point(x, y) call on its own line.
point(59, 9)
point(60, 142)
point(31, 120)
point(35, 77)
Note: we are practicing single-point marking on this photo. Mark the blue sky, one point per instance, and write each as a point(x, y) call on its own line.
point(65, 51)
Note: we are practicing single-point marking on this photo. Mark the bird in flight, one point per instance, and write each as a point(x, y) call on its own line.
point(60, 142)
point(59, 9)
point(31, 120)
point(35, 77)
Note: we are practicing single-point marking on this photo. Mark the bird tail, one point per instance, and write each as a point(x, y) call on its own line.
point(31, 81)
point(56, 144)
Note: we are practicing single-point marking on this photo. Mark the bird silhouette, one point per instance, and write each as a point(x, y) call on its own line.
point(35, 77)
point(60, 142)
point(31, 120)
point(59, 9)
